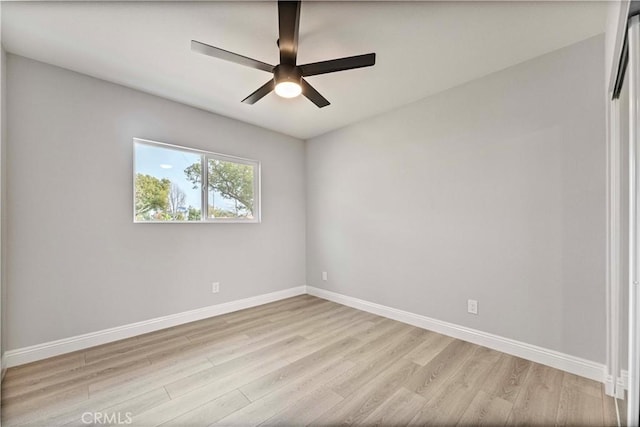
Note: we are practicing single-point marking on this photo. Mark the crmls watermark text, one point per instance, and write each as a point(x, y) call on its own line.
point(107, 418)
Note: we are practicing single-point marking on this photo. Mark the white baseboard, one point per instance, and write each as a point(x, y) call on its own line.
point(565, 362)
point(67, 345)
point(554, 359)
point(617, 388)
point(622, 384)
point(609, 385)
point(624, 379)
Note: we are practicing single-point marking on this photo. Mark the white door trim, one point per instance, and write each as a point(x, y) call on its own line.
point(633, 403)
point(614, 265)
point(614, 227)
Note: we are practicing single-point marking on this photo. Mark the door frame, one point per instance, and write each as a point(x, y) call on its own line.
point(626, 60)
point(633, 391)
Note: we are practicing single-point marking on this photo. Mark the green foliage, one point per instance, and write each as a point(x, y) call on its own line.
point(161, 200)
point(193, 214)
point(231, 180)
point(221, 213)
point(152, 197)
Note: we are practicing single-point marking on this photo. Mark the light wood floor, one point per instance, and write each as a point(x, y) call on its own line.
point(298, 361)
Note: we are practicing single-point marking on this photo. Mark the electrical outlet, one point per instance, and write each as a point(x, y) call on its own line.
point(324, 276)
point(215, 287)
point(472, 306)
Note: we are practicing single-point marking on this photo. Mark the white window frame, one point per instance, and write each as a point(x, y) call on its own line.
point(204, 189)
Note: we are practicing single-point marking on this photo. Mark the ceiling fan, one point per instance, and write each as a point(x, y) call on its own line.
point(288, 77)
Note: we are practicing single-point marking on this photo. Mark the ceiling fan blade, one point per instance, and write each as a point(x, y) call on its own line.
point(333, 65)
point(216, 52)
point(289, 26)
point(313, 95)
point(260, 93)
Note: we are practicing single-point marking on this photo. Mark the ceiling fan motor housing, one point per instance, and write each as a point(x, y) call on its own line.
point(287, 73)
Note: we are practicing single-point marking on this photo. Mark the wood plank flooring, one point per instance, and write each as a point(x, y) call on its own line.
point(299, 361)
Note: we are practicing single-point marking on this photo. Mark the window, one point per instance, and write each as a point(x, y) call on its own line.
point(173, 184)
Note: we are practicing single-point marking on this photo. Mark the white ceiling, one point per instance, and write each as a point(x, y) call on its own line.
point(422, 48)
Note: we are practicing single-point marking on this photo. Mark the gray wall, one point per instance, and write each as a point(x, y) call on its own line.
point(494, 190)
point(614, 34)
point(77, 263)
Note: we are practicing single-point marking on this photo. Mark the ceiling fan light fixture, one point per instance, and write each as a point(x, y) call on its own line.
point(288, 89)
